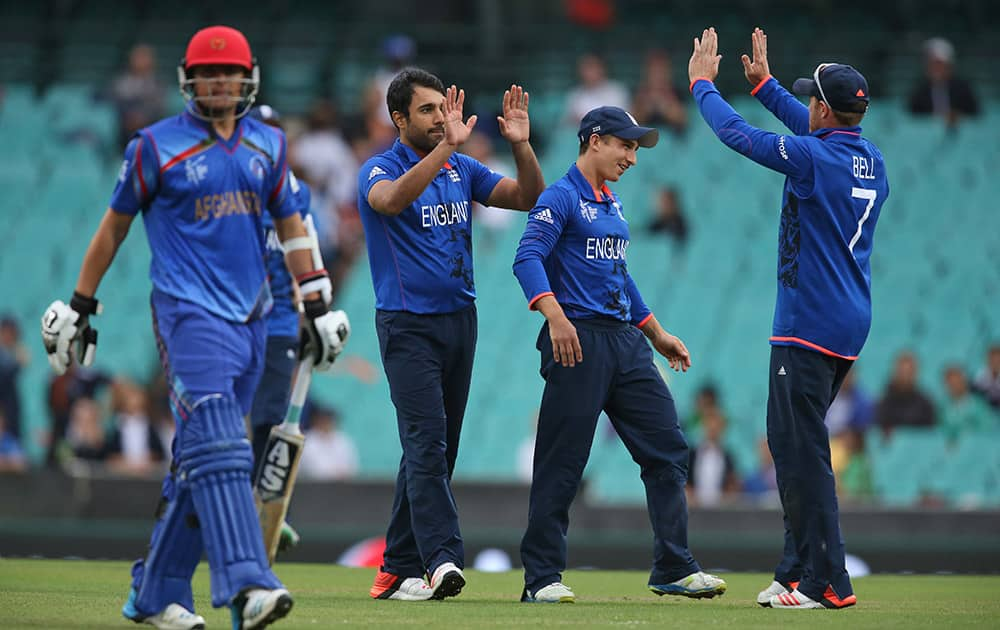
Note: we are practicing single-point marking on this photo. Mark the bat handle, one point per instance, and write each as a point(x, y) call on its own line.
point(303, 377)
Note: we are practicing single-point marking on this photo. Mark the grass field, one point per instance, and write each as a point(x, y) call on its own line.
point(55, 594)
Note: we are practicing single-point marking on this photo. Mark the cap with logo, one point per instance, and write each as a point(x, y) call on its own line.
point(218, 45)
point(617, 122)
point(838, 85)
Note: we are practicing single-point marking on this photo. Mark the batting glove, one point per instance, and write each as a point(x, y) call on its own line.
point(66, 332)
point(324, 335)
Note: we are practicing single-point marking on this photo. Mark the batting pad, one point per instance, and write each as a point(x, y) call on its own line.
point(164, 576)
point(216, 464)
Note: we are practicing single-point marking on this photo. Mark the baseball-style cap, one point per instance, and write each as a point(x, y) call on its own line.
point(616, 122)
point(838, 85)
point(218, 45)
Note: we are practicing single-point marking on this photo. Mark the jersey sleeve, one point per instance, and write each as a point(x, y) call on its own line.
point(138, 178)
point(639, 313)
point(484, 180)
point(373, 171)
point(783, 104)
point(783, 153)
point(541, 233)
point(302, 197)
point(281, 200)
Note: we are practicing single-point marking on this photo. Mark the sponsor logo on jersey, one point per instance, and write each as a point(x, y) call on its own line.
point(376, 170)
point(196, 169)
point(544, 215)
point(607, 248)
point(123, 171)
point(444, 214)
point(226, 204)
point(781, 148)
point(587, 211)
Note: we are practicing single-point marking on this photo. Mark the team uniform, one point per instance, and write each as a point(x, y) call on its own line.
point(574, 248)
point(421, 266)
point(202, 200)
point(834, 190)
point(281, 355)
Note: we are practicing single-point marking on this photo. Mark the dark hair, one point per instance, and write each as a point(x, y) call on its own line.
point(400, 93)
point(848, 119)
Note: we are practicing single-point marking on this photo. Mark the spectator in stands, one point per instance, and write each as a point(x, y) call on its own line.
point(940, 92)
point(851, 466)
point(668, 216)
point(134, 446)
point(398, 51)
point(11, 456)
point(762, 483)
point(138, 94)
point(987, 382)
point(711, 473)
point(479, 146)
point(706, 400)
point(594, 90)
point(76, 383)
point(657, 101)
point(329, 453)
point(963, 412)
point(86, 438)
point(13, 357)
point(852, 409)
point(904, 404)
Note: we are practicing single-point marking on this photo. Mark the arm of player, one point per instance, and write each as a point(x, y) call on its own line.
point(785, 107)
point(391, 196)
point(522, 193)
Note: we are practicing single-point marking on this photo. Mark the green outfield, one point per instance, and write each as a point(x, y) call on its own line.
point(55, 594)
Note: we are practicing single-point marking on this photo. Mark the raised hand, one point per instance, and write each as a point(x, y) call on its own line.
point(756, 69)
point(704, 62)
point(456, 132)
point(514, 124)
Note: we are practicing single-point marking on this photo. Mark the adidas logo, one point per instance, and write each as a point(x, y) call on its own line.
point(544, 215)
point(781, 371)
point(376, 170)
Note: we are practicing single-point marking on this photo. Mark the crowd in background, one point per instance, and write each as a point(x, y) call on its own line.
point(109, 423)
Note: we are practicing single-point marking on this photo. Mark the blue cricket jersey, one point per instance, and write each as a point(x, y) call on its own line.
point(573, 248)
point(283, 321)
point(202, 200)
point(834, 190)
point(421, 260)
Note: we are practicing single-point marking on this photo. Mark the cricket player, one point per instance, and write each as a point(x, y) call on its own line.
point(203, 180)
point(572, 267)
point(834, 190)
point(271, 399)
point(415, 204)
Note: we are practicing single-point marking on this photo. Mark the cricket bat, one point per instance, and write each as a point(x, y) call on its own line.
point(280, 464)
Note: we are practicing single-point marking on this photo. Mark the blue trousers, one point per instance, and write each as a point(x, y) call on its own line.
point(803, 383)
point(618, 376)
point(271, 400)
point(428, 363)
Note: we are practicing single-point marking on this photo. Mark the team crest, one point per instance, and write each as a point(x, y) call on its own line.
point(257, 166)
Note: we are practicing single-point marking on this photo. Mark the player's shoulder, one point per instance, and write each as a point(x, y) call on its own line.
point(385, 163)
point(262, 136)
point(561, 194)
point(174, 126)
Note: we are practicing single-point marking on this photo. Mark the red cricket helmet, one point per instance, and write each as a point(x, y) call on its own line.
point(218, 45)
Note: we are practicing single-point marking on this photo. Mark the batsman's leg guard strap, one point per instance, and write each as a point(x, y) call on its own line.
point(218, 472)
point(164, 576)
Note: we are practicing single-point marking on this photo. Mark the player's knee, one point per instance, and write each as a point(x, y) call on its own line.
point(214, 440)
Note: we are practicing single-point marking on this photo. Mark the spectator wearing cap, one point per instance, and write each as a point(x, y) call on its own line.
point(572, 267)
point(940, 92)
point(835, 185)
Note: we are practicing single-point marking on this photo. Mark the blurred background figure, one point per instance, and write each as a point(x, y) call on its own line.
point(492, 221)
point(86, 441)
point(851, 466)
point(851, 410)
point(668, 217)
point(329, 453)
point(657, 101)
point(904, 404)
point(963, 412)
point(940, 92)
point(711, 474)
point(398, 51)
point(138, 94)
point(11, 454)
point(64, 391)
point(595, 89)
point(706, 400)
point(761, 485)
point(13, 357)
point(134, 446)
point(987, 382)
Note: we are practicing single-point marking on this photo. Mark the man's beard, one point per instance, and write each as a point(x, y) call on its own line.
point(424, 142)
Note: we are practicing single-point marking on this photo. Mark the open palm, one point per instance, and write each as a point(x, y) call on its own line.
point(456, 132)
point(515, 126)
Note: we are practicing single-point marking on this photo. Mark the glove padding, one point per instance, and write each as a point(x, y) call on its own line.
point(66, 332)
point(324, 334)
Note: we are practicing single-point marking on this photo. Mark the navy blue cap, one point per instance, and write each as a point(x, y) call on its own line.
point(266, 113)
point(842, 87)
point(616, 122)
